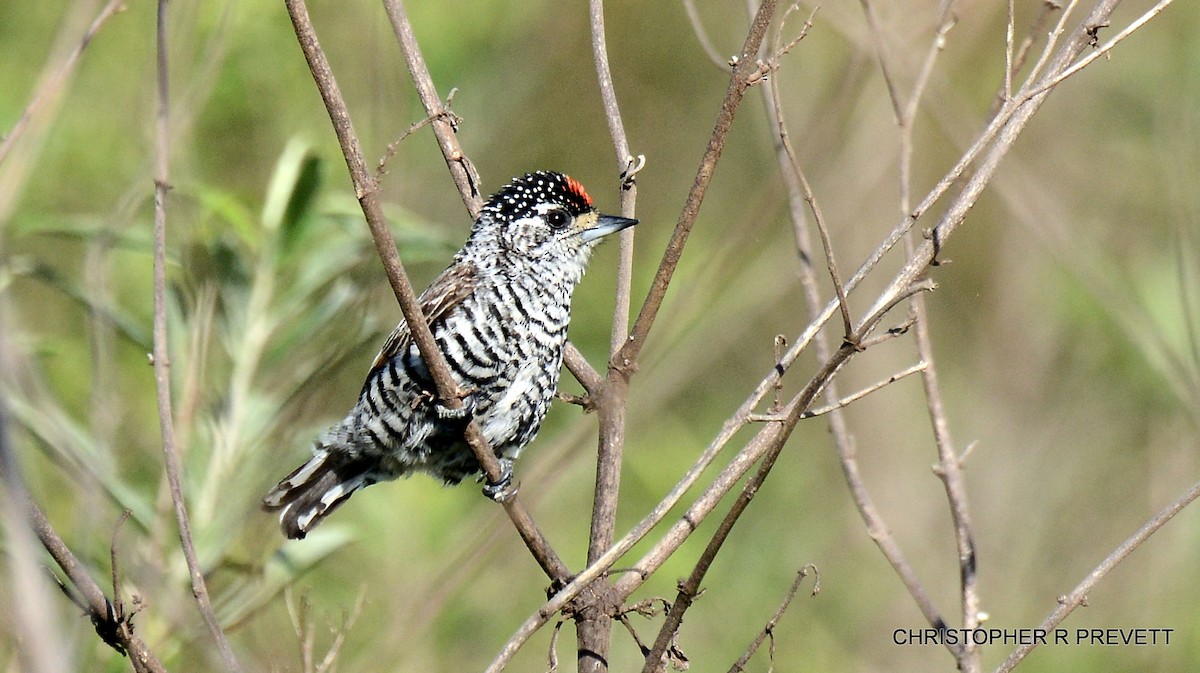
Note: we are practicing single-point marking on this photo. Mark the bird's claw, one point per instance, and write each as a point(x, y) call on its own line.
point(502, 489)
point(447, 413)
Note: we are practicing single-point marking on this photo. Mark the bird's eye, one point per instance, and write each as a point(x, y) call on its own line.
point(557, 219)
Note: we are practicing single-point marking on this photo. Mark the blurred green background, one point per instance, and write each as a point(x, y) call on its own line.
point(1065, 327)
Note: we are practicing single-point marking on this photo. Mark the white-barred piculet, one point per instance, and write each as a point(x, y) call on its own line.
point(499, 313)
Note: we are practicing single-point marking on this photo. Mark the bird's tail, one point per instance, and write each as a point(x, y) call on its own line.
point(313, 490)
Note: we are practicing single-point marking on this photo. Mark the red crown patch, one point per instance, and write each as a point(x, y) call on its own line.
point(577, 189)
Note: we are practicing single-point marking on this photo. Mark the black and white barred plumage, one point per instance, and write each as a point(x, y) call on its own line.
point(499, 313)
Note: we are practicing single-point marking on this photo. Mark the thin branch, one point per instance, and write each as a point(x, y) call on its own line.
point(594, 635)
point(37, 628)
point(769, 629)
point(854, 397)
point(367, 192)
point(907, 119)
point(552, 654)
point(706, 44)
point(1009, 53)
point(1102, 50)
point(412, 128)
point(625, 164)
point(798, 180)
point(1004, 93)
point(949, 470)
point(877, 37)
point(116, 573)
point(1078, 595)
point(329, 663)
point(744, 70)
point(52, 84)
point(100, 610)
point(583, 371)
point(111, 622)
point(1051, 40)
point(161, 356)
point(444, 129)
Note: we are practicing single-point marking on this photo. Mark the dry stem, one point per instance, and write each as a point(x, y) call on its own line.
point(161, 356)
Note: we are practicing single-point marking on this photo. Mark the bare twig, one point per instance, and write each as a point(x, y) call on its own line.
point(1078, 595)
point(625, 164)
point(950, 472)
point(706, 44)
point(744, 70)
point(116, 573)
point(37, 628)
point(552, 654)
point(582, 370)
point(367, 192)
point(298, 610)
point(381, 169)
point(769, 629)
point(329, 662)
point(1103, 49)
point(907, 117)
point(52, 84)
point(462, 170)
point(1009, 53)
point(1051, 40)
point(161, 356)
point(877, 37)
point(110, 620)
point(797, 179)
point(854, 397)
point(594, 632)
point(118, 634)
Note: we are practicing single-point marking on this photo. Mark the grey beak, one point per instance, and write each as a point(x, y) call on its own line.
point(606, 224)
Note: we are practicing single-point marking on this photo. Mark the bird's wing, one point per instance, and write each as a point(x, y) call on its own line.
point(446, 291)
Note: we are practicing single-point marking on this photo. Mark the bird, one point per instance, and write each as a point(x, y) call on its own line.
point(499, 313)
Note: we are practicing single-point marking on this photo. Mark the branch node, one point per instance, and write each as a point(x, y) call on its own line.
point(585, 401)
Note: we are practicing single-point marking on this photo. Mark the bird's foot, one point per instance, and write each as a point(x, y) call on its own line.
point(503, 489)
point(467, 410)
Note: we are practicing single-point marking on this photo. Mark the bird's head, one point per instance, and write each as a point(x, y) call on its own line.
point(545, 216)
